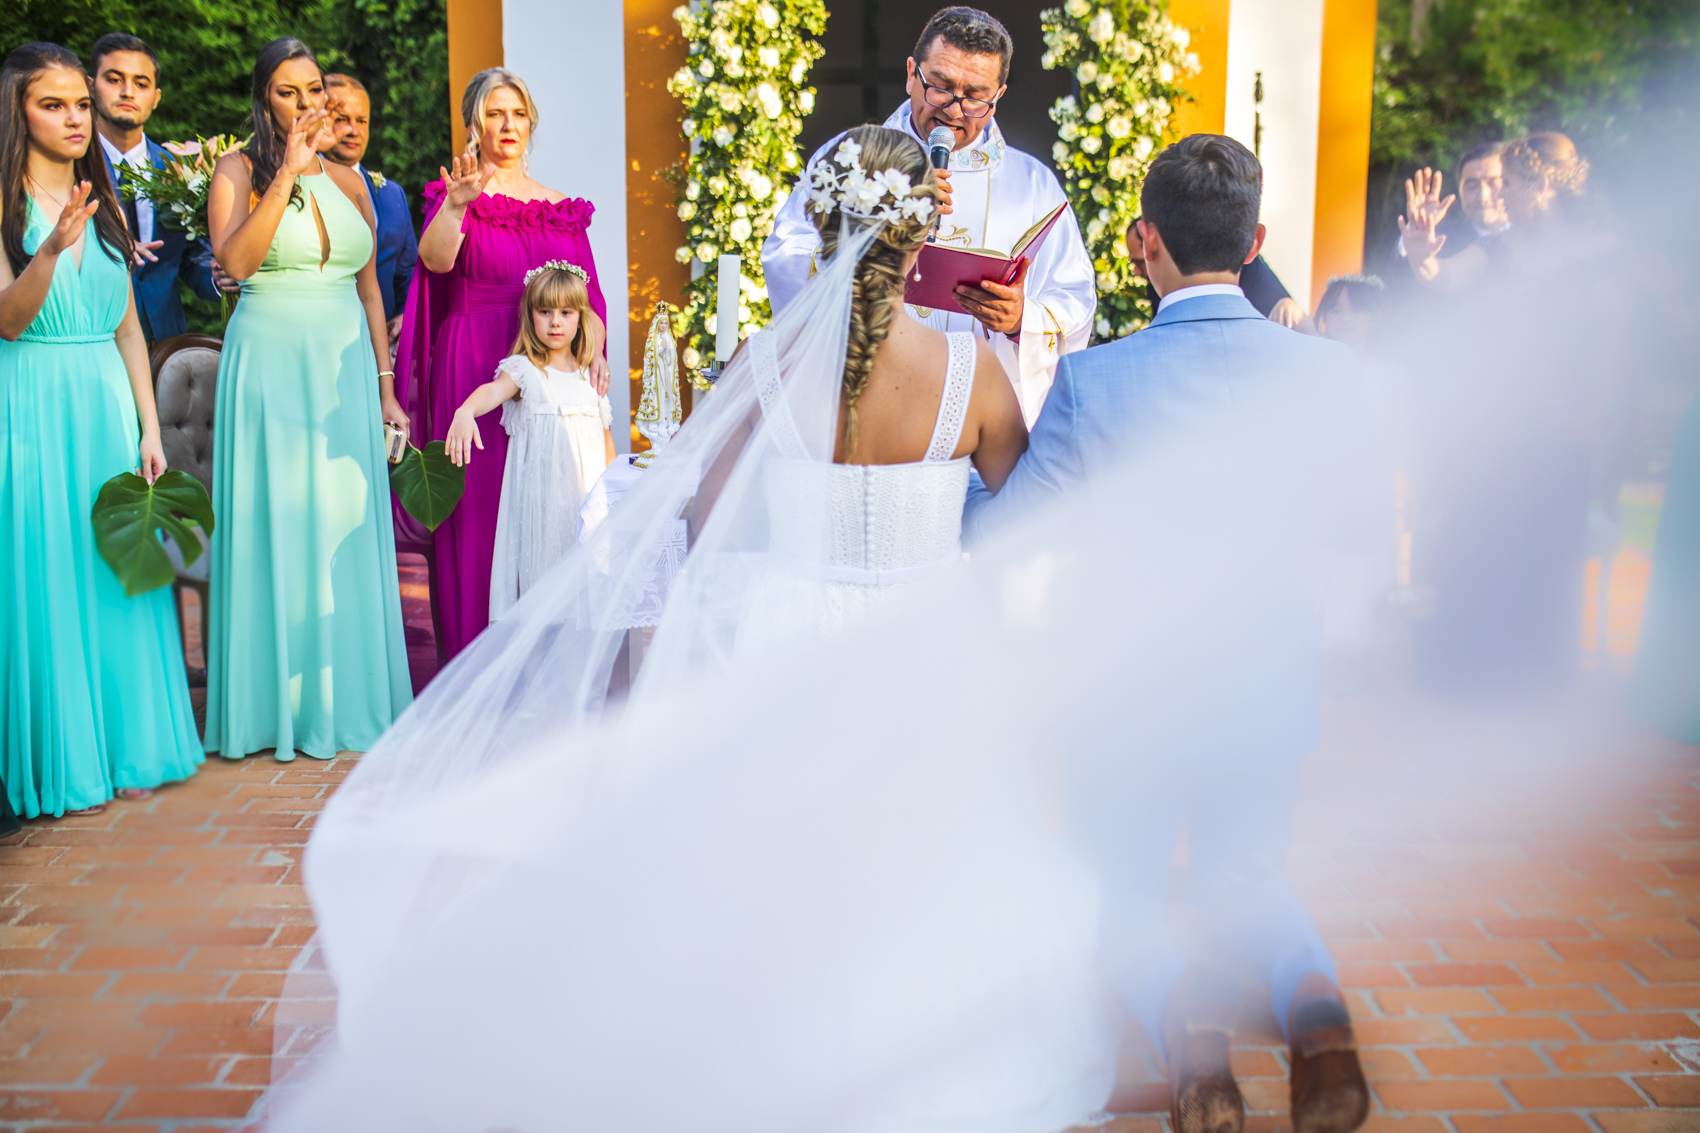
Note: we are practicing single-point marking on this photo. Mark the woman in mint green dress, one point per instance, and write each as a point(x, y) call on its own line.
point(305, 646)
point(95, 698)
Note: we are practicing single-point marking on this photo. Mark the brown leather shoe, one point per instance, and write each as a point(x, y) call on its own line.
point(1329, 1094)
point(1203, 1097)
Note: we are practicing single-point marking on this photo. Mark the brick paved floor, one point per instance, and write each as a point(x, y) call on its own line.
point(1514, 909)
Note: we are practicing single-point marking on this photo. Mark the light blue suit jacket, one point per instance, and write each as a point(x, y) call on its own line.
point(1198, 361)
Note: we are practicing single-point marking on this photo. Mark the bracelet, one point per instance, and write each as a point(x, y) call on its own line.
point(386, 373)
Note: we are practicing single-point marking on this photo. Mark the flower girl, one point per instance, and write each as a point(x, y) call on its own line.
point(559, 430)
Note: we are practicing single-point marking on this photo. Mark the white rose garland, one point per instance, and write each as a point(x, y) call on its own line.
point(1127, 57)
point(744, 104)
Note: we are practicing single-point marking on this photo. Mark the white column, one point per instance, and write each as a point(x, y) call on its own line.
point(581, 141)
point(1283, 39)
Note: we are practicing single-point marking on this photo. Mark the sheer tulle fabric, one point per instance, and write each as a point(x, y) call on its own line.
point(832, 885)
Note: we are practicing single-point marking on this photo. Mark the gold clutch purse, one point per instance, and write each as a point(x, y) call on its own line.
point(395, 442)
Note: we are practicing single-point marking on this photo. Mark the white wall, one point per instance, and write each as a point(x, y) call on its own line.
point(1283, 39)
point(581, 140)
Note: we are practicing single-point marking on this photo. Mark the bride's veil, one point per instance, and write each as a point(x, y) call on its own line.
point(541, 674)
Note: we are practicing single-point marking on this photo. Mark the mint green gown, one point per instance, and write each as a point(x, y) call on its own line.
point(305, 647)
point(96, 697)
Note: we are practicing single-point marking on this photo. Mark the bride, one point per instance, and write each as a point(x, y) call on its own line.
point(791, 881)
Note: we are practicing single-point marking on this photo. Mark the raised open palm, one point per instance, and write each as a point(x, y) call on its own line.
point(466, 181)
point(301, 146)
point(1424, 209)
point(69, 227)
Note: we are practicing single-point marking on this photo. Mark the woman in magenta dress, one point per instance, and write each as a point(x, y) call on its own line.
point(487, 223)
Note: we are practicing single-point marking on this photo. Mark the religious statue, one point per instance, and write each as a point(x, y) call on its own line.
point(659, 411)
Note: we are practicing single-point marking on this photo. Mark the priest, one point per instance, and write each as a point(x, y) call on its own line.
point(990, 195)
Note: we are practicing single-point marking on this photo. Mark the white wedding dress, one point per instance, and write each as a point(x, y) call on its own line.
point(888, 526)
point(796, 882)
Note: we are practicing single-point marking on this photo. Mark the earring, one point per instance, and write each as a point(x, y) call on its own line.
point(917, 273)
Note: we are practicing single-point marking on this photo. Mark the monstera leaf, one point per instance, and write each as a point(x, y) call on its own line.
point(127, 513)
point(427, 483)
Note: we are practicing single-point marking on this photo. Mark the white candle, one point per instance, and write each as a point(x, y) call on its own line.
point(726, 311)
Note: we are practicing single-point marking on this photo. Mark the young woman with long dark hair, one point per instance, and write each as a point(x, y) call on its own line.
point(95, 700)
point(305, 650)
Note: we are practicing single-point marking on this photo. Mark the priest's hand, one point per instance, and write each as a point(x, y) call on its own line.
point(998, 307)
point(941, 182)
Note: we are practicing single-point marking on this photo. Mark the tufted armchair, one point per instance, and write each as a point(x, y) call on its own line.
point(185, 379)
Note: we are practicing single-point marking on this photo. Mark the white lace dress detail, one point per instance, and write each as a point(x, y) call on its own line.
point(850, 535)
point(555, 453)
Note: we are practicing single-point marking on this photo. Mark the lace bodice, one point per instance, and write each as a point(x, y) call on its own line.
point(880, 524)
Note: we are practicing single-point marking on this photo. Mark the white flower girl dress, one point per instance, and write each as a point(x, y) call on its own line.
point(555, 453)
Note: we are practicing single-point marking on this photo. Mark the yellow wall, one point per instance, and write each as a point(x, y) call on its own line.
point(654, 142)
point(475, 42)
point(1342, 151)
point(1207, 20)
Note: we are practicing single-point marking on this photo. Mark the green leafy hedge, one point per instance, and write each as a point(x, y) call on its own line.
point(1486, 70)
point(398, 48)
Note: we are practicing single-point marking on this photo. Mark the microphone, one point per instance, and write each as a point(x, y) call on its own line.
point(938, 145)
point(939, 142)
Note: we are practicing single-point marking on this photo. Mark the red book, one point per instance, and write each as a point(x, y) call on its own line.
point(942, 269)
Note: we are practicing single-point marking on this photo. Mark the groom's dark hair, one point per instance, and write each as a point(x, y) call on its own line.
point(1203, 194)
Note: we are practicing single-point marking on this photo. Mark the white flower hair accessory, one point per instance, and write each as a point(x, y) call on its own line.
point(556, 265)
point(887, 195)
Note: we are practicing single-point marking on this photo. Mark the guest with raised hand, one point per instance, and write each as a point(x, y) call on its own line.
point(1541, 175)
point(1514, 438)
point(487, 224)
point(398, 249)
point(305, 650)
point(96, 699)
point(126, 93)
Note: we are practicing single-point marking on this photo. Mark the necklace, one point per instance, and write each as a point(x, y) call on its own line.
point(43, 188)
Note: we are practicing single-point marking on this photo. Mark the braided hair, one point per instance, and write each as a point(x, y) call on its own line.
point(879, 275)
point(1548, 154)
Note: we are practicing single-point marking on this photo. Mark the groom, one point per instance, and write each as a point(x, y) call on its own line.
point(1231, 778)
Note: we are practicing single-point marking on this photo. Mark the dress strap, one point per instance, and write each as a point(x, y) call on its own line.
point(953, 406)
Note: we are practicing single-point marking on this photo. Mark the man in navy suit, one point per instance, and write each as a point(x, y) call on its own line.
point(1224, 763)
point(126, 93)
point(398, 248)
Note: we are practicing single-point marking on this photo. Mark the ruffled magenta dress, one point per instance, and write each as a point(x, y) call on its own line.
point(459, 325)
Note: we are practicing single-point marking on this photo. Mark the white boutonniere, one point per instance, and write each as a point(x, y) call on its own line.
point(377, 179)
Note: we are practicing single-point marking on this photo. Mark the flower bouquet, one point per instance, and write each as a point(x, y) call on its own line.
point(179, 188)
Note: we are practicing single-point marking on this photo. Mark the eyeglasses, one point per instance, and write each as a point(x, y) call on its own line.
point(942, 98)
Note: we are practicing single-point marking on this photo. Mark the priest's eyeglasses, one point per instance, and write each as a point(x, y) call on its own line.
point(942, 98)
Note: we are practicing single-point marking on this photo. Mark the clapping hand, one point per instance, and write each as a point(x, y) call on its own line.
point(466, 182)
point(307, 135)
point(69, 228)
point(1424, 209)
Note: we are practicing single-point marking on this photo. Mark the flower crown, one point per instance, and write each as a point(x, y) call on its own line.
point(886, 195)
point(556, 265)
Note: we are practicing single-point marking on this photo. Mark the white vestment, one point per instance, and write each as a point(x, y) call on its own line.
point(997, 194)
